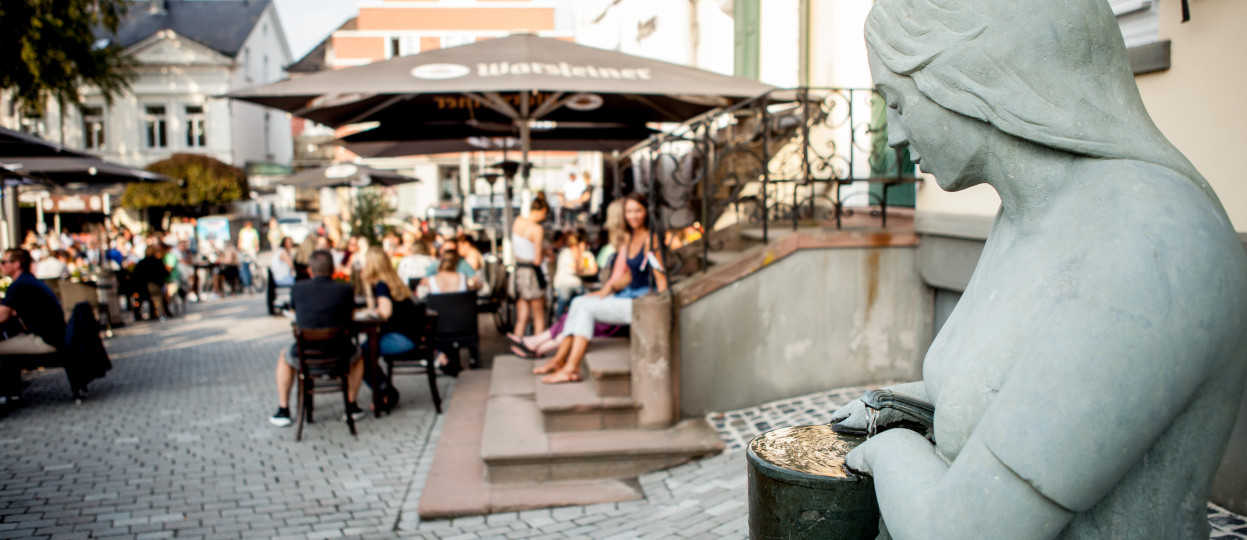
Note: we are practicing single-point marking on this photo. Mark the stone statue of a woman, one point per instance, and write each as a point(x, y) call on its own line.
point(1088, 379)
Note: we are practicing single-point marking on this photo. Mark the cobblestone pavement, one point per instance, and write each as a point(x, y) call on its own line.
point(174, 442)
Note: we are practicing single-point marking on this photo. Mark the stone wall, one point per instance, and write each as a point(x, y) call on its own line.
point(802, 320)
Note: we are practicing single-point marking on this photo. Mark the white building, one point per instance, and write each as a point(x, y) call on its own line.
point(190, 53)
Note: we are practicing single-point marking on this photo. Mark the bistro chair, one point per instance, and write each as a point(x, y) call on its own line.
point(322, 369)
point(456, 326)
point(419, 360)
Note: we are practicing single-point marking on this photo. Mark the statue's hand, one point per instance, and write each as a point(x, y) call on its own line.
point(854, 418)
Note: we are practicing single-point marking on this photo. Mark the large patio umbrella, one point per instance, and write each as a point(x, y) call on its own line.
point(26, 159)
point(393, 140)
point(18, 144)
point(517, 79)
point(68, 170)
point(345, 175)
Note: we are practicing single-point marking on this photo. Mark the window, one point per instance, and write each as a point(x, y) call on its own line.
point(264, 69)
point(268, 130)
point(1139, 21)
point(448, 183)
point(157, 127)
point(93, 128)
point(196, 135)
point(246, 63)
point(396, 47)
point(33, 125)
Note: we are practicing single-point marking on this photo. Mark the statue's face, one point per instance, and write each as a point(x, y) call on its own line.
point(943, 143)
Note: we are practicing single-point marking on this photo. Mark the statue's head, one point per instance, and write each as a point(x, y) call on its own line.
point(1052, 72)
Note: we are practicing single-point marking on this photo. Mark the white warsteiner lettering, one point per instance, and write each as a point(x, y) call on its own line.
point(561, 69)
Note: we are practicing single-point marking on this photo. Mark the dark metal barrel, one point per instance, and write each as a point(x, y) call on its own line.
point(799, 488)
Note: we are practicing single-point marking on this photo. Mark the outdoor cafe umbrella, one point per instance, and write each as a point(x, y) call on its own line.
point(18, 144)
point(345, 175)
point(26, 159)
point(392, 140)
point(68, 170)
point(516, 79)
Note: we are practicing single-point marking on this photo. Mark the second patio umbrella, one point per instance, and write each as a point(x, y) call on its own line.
point(345, 175)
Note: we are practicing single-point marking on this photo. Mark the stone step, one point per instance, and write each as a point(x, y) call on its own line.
point(609, 365)
point(516, 448)
point(455, 485)
point(577, 407)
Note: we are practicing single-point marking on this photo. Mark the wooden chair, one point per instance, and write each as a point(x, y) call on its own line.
point(456, 325)
point(420, 359)
point(322, 369)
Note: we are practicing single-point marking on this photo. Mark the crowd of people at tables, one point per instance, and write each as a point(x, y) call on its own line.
point(627, 264)
point(151, 267)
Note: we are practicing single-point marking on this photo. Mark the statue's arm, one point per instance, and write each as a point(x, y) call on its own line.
point(922, 496)
point(852, 416)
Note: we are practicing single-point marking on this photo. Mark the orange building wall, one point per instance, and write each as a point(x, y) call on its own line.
point(366, 48)
point(384, 18)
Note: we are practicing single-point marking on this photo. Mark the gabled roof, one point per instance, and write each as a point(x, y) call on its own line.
point(316, 59)
point(222, 25)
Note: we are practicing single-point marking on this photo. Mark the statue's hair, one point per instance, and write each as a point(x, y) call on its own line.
point(1053, 72)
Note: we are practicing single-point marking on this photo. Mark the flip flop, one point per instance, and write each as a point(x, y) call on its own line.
point(561, 377)
point(520, 353)
point(519, 343)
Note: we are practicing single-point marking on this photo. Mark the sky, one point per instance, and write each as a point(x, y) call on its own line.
point(308, 22)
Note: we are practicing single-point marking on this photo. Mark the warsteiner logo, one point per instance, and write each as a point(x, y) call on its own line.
point(439, 72)
point(561, 69)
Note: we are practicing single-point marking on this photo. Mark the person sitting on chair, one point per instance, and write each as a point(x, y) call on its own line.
point(319, 303)
point(30, 308)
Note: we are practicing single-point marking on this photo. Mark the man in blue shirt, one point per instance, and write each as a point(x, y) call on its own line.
point(30, 312)
point(319, 303)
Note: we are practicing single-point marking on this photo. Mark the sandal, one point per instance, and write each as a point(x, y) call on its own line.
point(517, 352)
point(519, 343)
point(561, 377)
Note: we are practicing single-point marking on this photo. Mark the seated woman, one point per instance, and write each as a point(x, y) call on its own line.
point(390, 300)
point(1087, 381)
point(572, 264)
point(448, 278)
point(612, 304)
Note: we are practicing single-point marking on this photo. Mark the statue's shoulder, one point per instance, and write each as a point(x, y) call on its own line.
point(1160, 230)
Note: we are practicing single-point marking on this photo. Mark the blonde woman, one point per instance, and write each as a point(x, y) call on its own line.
point(616, 232)
point(390, 300)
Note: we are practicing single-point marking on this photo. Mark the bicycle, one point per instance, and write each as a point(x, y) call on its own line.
point(258, 281)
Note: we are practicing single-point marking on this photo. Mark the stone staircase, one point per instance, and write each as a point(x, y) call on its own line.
point(546, 445)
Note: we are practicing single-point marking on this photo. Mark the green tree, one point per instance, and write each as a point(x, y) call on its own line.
point(367, 214)
point(51, 51)
point(203, 182)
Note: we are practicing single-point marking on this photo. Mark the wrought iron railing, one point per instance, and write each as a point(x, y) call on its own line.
point(781, 158)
